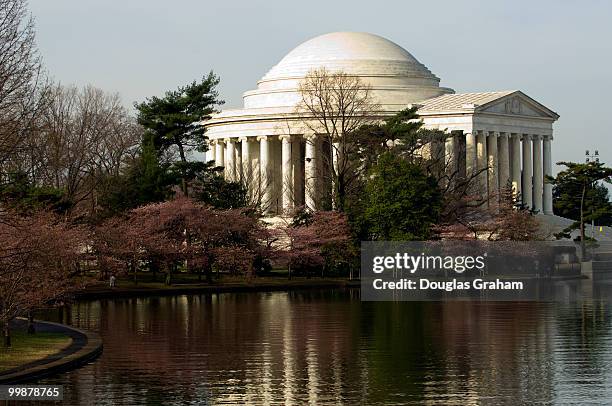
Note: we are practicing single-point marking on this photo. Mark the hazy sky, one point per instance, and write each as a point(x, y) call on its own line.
point(558, 52)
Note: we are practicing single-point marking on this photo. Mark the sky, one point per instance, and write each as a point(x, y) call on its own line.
point(558, 52)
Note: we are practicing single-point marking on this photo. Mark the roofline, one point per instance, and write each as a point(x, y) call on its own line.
point(552, 113)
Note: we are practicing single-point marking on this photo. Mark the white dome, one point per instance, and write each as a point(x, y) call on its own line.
point(352, 52)
point(397, 78)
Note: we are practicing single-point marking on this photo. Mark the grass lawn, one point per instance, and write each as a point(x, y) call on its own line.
point(27, 348)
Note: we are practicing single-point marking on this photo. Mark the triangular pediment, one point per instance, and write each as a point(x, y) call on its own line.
point(517, 104)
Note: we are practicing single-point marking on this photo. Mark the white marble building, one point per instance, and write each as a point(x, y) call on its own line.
point(265, 145)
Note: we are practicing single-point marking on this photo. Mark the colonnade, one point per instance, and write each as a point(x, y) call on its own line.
point(286, 171)
point(522, 161)
point(277, 170)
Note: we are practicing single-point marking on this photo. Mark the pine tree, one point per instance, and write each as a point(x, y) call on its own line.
point(144, 181)
point(175, 122)
point(577, 194)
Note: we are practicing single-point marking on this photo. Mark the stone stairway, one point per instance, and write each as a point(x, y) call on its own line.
point(601, 254)
point(552, 224)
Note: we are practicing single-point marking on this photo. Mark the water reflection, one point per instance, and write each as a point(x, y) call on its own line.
point(326, 347)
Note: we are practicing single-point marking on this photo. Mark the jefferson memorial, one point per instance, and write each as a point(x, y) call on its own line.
point(503, 135)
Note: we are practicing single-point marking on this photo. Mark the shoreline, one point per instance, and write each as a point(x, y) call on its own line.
point(263, 284)
point(86, 346)
point(99, 292)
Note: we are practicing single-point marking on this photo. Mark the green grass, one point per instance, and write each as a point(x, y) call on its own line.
point(31, 347)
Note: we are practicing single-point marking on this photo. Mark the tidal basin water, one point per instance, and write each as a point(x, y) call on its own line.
point(327, 347)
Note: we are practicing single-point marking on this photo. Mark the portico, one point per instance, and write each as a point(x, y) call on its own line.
point(508, 141)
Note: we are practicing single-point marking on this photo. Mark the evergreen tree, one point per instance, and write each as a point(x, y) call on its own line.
point(22, 195)
point(174, 122)
point(144, 181)
point(403, 134)
point(566, 201)
point(401, 202)
point(577, 195)
point(211, 188)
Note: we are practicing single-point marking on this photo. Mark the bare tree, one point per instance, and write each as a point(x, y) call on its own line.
point(336, 106)
point(86, 135)
point(507, 223)
point(22, 85)
point(341, 110)
point(250, 180)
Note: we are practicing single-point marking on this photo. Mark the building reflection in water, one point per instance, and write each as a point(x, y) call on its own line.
point(329, 348)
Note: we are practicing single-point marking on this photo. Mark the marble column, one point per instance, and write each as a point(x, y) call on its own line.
point(548, 199)
point(438, 156)
point(322, 162)
point(338, 166)
point(527, 188)
point(311, 172)
point(493, 167)
point(219, 153)
point(255, 176)
point(470, 154)
point(247, 169)
point(504, 161)
point(450, 155)
point(516, 164)
point(238, 162)
point(481, 153)
point(286, 174)
point(265, 174)
point(230, 160)
point(296, 167)
point(538, 174)
point(211, 153)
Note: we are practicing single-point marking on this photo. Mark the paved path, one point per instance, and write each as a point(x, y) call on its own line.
point(85, 347)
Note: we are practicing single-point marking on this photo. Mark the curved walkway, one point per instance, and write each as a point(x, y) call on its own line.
point(85, 347)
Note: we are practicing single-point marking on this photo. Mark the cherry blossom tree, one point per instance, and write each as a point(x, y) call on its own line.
point(182, 231)
point(316, 241)
point(39, 263)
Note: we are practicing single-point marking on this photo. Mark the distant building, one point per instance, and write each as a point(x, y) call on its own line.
point(506, 130)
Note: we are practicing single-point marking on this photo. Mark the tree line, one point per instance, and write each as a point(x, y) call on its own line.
point(86, 186)
point(88, 190)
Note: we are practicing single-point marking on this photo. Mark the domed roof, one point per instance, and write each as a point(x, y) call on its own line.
point(358, 53)
point(395, 77)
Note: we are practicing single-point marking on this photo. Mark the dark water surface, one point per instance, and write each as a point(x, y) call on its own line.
point(327, 347)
